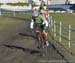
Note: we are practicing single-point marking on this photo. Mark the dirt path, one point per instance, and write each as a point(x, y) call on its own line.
point(16, 46)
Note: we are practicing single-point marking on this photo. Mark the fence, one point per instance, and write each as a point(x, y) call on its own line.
point(58, 29)
point(5, 12)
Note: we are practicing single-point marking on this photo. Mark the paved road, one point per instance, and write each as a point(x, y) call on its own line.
point(17, 45)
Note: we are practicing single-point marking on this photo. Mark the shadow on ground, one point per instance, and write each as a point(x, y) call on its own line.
point(27, 34)
point(26, 50)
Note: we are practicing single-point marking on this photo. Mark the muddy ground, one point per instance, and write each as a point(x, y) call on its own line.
point(17, 45)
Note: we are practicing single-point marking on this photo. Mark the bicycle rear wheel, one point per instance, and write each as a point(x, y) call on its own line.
point(43, 45)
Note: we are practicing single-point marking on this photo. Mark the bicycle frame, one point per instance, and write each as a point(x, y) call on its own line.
point(41, 38)
point(41, 42)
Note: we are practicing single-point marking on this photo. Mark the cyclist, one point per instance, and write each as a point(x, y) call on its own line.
point(40, 23)
point(44, 12)
point(46, 23)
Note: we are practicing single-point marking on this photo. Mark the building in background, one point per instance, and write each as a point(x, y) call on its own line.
point(37, 2)
point(50, 1)
point(72, 1)
point(61, 1)
point(52, 4)
point(54, 1)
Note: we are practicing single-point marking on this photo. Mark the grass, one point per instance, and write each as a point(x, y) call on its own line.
point(8, 20)
point(4, 21)
point(18, 4)
point(66, 19)
point(25, 16)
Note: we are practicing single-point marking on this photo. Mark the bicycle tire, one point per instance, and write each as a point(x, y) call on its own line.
point(43, 50)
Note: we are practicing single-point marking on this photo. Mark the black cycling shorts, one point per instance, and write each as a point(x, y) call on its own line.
point(39, 27)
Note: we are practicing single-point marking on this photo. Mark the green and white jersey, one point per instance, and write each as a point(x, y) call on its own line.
point(39, 20)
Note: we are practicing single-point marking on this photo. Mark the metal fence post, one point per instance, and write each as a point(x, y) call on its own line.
point(50, 21)
point(69, 35)
point(54, 29)
point(60, 32)
point(0, 12)
point(52, 24)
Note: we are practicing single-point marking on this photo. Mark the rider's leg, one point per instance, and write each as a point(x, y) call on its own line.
point(38, 36)
point(46, 35)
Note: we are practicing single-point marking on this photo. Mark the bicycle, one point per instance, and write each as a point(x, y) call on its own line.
point(41, 42)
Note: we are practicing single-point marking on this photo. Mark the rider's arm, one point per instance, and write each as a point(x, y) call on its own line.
point(45, 22)
point(31, 24)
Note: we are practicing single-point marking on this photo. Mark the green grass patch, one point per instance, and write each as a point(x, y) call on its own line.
point(65, 18)
point(18, 4)
point(9, 19)
point(28, 11)
point(5, 21)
